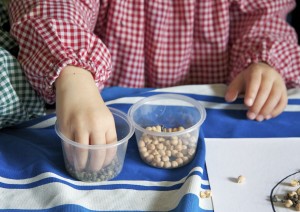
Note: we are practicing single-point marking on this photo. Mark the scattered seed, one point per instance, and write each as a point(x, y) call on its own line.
point(202, 194)
point(208, 193)
point(241, 179)
point(288, 203)
point(294, 183)
point(205, 194)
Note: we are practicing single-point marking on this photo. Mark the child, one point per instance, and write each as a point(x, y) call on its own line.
point(70, 49)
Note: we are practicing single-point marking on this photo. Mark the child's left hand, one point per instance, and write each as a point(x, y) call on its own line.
point(264, 89)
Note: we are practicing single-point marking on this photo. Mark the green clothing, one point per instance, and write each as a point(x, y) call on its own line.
point(18, 101)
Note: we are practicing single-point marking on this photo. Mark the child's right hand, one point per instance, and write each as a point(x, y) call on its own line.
point(83, 117)
point(264, 89)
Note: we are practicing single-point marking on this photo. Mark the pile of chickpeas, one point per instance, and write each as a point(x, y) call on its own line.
point(167, 151)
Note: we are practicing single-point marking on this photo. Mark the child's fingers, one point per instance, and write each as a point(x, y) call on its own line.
point(281, 105)
point(271, 103)
point(68, 148)
point(259, 101)
point(97, 156)
point(253, 83)
point(81, 154)
point(234, 89)
point(68, 152)
point(111, 137)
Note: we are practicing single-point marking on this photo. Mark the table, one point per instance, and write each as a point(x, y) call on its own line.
point(33, 177)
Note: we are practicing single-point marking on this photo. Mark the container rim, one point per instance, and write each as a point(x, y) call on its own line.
point(190, 100)
point(100, 146)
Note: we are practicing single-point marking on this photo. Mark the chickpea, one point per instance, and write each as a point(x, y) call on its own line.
point(179, 155)
point(288, 203)
point(150, 146)
point(165, 158)
point(168, 153)
point(167, 164)
point(145, 154)
point(161, 164)
point(157, 157)
point(179, 161)
point(158, 128)
point(168, 142)
point(156, 152)
point(159, 146)
point(149, 128)
point(142, 144)
point(174, 142)
point(294, 183)
point(174, 153)
point(180, 128)
point(174, 164)
point(241, 179)
point(155, 141)
point(202, 194)
point(205, 194)
point(157, 160)
point(208, 193)
point(161, 139)
point(149, 158)
point(292, 193)
point(179, 147)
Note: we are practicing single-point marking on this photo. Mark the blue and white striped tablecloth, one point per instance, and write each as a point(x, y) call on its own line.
point(33, 176)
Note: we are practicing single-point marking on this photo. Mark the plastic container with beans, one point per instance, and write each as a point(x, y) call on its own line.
point(167, 129)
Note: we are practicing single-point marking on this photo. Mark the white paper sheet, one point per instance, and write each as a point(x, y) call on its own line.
point(263, 162)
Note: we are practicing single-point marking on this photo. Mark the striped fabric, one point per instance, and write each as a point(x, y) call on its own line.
point(33, 177)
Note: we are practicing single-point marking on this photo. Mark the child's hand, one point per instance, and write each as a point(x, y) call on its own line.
point(83, 117)
point(264, 88)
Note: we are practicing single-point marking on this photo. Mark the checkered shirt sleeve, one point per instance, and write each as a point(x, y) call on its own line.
point(54, 34)
point(18, 101)
point(6, 41)
point(260, 33)
point(153, 43)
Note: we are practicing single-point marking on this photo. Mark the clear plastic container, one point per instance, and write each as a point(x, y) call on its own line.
point(85, 162)
point(167, 129)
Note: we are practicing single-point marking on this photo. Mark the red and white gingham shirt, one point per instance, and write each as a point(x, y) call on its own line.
point(154, 43)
